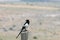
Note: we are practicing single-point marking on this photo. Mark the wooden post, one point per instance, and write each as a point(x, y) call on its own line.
point(24, 35)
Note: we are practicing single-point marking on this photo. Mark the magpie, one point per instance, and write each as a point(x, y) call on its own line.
point(26, 24)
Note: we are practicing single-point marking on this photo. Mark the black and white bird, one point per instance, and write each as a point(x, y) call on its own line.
point(26, 24)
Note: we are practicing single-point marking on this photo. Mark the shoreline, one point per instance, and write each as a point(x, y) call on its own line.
point(28, 6)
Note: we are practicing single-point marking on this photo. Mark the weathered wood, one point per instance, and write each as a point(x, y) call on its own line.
point(24, 35)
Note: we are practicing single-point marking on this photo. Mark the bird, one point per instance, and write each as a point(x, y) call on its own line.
point(26, 24)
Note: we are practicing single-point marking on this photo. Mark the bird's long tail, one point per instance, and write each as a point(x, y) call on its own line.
point(18, 34)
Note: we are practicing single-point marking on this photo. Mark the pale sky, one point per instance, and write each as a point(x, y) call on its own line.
point(9, 0)
point(28, 0)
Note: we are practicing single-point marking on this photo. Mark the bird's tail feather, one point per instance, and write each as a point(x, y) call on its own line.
point(18, 34)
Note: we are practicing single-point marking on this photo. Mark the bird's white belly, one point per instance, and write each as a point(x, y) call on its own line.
point(26, 25)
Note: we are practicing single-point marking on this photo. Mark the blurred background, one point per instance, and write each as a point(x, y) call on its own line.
point(44, 16)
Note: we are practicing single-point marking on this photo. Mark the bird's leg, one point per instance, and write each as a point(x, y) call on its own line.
point(25, 29)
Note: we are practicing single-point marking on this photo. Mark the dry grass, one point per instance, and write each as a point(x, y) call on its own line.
point(17, 14)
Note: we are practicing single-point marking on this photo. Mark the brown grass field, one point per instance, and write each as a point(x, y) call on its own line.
point(44, 21)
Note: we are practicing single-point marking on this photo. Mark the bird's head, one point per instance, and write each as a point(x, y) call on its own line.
point(27, 21)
